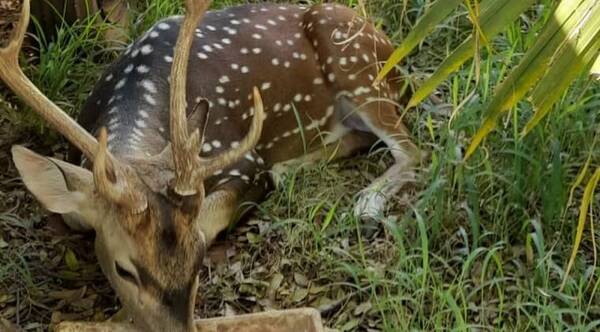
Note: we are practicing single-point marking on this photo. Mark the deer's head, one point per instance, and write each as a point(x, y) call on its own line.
point(146, 213)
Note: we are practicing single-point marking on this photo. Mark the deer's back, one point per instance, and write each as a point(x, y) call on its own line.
point(289, 52)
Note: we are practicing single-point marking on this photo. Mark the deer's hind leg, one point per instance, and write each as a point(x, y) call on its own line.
point(350, 51)
point(381, 119)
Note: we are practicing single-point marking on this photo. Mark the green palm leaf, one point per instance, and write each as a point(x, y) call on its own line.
point(436, 13)
point(567, 17)
point(574, 56)
point(495, 16)
point(568, 45)
point(595, 71)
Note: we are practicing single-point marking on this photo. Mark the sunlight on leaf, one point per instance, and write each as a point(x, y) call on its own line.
point(595, 71)
point(576, 53)
point(532, 67)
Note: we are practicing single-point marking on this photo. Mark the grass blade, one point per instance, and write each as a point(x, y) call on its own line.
point(474, 11)
point(583, 211)
point(582, 172)
point(436, 13)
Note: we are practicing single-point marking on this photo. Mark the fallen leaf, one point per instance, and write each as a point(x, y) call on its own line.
point(229, 311)
point(71, 260)
point(67, 294)
point(350, 325)
point(362, 308)
point(252, 238)
point(300, 279)
point(299, 294)
point(274, 285)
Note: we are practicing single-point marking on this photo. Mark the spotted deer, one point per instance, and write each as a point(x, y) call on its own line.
point(184, 136)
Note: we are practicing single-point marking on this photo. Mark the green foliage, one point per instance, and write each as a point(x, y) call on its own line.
point(568, 45)
point(491, 24)
point(65, 68)
point(478, 245)
point(595, 70)
point(438, 11)
point(569, 42)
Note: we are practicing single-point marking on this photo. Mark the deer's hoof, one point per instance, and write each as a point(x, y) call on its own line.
point(370, 205)
point(279, 174)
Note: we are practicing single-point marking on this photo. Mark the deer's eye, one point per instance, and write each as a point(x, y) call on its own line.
point(123, 273)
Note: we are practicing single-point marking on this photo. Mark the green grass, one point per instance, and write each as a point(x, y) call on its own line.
point(481, 244)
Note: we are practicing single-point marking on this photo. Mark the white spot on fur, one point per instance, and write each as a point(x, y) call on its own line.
point(146, 49)
point(149, 99)
point(149, 86)
point(120, 83)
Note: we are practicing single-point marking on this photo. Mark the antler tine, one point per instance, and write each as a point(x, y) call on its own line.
point(209, 166)
point(10, 72)
point(185, 148)
point(110, 179)
point(13, 76)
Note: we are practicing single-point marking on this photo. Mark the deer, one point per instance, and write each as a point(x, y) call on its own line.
point(187, 125)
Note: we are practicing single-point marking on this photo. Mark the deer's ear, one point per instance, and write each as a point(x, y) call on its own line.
point(60, 187)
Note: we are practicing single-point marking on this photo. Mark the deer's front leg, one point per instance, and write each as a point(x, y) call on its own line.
point(226, 203)
point(218, 211)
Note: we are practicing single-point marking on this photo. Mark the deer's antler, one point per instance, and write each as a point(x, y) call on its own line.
point(116, 182)
point(117, 191)
point(190, 169)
